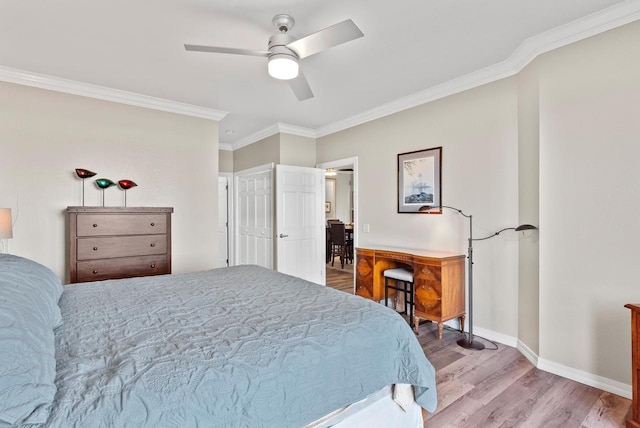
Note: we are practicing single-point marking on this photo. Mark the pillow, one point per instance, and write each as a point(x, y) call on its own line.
point(29, 294)
point(40, 281)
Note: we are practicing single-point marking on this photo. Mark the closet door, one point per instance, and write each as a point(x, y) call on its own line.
point(254, 216)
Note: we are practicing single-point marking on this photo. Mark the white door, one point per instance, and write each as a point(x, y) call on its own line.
point(254, 217)
point(300, 231)
point(223, 222)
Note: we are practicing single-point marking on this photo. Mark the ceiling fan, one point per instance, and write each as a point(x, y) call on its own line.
point(284, 52)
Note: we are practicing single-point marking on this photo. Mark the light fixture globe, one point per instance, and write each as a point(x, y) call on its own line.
point(283, 66)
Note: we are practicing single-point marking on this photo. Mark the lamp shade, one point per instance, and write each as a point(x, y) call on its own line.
point(283, 67)
point(525, 227)
point(6, 229)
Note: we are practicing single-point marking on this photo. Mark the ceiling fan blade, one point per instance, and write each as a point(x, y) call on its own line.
point(335, 35)
point(218, 49)
point(301, 87)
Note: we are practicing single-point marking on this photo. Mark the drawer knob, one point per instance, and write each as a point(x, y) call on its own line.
point(426, 271)
point(95, 248)
point(153, 245)
point(153, 224)
point(429, 306)
point(153, 265)
point(95, 225)
point(95, 271)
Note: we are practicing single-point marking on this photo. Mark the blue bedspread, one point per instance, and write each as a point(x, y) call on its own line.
point(235, 347)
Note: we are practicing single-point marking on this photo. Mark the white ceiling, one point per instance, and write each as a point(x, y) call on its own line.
point(409, 47)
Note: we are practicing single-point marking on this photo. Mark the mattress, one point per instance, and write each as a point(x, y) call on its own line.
point(235, 347)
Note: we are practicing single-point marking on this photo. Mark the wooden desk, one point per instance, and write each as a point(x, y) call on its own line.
point(438, 280)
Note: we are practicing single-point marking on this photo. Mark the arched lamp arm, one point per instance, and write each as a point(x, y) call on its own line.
point(522, 227)
point(427, 208)
point(494, 234)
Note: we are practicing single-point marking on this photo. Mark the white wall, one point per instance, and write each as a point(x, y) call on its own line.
point(589, 201)
point(45, 135)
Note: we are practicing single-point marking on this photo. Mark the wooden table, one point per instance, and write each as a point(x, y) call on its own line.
point(438, 278)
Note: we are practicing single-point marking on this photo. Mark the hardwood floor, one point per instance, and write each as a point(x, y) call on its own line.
point(501, 388)
point(340, 279)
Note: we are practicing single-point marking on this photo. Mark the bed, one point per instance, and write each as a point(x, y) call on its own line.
point(234, 347)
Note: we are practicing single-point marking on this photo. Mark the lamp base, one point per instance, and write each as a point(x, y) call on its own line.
point(470, 345)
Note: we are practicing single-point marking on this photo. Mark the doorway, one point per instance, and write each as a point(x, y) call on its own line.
point(341, 202)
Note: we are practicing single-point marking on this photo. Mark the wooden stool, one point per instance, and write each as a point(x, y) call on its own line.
point(402, 277)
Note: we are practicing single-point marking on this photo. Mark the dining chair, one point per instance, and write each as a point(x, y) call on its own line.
point(338, 243)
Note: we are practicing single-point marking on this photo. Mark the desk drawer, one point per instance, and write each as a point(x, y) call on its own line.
point(428, 289)
point(364, 276)
point(97, 270)
point(121, 246)
point(121, 224)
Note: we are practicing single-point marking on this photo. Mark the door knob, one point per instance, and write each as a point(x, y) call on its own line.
point(283, 236)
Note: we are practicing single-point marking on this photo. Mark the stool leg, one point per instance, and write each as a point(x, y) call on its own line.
point(386, 291)
point(411, 320)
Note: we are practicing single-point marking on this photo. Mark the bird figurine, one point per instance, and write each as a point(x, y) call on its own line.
point(104, 183)
point(84, 174)
point(126, 185)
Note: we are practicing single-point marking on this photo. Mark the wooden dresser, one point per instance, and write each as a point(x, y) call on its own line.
point(438, 279)
point(118, 242)
point(634, 422)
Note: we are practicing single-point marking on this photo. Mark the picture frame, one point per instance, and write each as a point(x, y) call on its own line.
point(327, 207)
point(420, 181)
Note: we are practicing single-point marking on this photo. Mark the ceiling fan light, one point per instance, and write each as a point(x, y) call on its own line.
point(330, 172)
point(283, 67)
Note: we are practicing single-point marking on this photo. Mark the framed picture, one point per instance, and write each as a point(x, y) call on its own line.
point(327, 207)
point(420, 180)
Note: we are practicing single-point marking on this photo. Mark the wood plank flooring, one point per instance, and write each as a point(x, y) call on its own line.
point(340, 279)
point(501, 388)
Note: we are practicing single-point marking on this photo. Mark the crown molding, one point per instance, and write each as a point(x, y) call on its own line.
point(588, 26)
point(300, 131)
point(276, 128)
point(42, 81)
point(226, 147)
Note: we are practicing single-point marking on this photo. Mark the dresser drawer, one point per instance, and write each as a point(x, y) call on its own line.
point(121, 224)
point(121, 246)
point(97, 270)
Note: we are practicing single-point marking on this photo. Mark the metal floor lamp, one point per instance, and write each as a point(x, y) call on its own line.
point(465, 342)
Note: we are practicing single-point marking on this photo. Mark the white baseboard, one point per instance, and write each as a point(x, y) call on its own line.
point(495, 336)
point(528, 353)
point(609, 385)
point(603, 383)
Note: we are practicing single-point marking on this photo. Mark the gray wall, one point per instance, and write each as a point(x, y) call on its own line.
point(589, 200)
point(45, 135)
point(259, 153)
point(556, 146)
point(225, 160)
point(528, 207)
point(279, 148)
